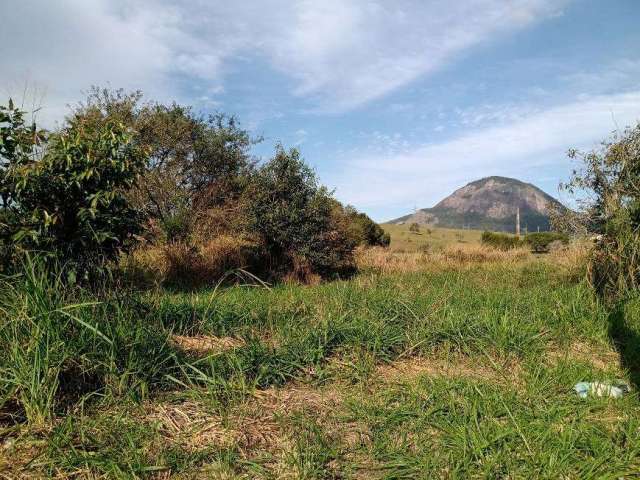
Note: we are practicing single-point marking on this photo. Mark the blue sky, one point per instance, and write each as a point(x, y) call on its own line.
point(395, 103)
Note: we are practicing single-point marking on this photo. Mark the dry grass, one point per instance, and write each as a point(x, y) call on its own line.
point(454, 366)
point(451, 257)
point(206, 345)
point(599, 357)
point(429, 238)
point(572, 261)
point(190, 425)
point(203, 263)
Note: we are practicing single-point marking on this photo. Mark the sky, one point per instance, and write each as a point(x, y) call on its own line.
point(395, 103)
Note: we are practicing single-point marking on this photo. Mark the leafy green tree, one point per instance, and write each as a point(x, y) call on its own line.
point(294, 217)
point(67, 195)
point(366, 231)
point(18, 149)
point(194, 164)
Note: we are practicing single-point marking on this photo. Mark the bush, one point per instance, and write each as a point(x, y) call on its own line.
point(501, 241)
point(66, 196)
point(195, 163)
point(542, 242)
point(608, 185)
point(296, 220)
point(365, 232)
point(414, 228)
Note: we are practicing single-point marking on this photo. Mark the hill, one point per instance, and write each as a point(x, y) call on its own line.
point(489, 204)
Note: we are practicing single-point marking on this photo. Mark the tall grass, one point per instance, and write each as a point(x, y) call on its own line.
point(58, 346)
point(80, 364)
point(61, 346)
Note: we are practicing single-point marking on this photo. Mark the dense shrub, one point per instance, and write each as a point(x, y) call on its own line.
point(542, 242)
point(64, 193)
point(117, 165)
point(195, 163)
point(608, 187)
point(295, 219)
point(365, 231)
point(501, 241)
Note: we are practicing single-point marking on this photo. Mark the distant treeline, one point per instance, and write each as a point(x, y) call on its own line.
point(539, 242)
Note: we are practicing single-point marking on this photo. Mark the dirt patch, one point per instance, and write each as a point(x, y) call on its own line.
point(205, 344)
point(190, 425)
point(494, 370)
point(279, 401)
point(583, 352)
point(255, 425)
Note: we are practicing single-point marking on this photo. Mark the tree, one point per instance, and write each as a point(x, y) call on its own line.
point(364, 230)
point(67, 195)
point(194, 164)
point(608, 184)
point(295, 218)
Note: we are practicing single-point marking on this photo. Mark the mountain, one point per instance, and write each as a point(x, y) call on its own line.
point(489, 204)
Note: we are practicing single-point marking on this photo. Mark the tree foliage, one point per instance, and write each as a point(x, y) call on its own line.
point(608, 186)
point(194, 163)
point(120, 166)
point(295, 217)
point(64, 192)
point(365, 231)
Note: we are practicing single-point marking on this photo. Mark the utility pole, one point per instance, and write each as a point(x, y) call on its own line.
point(518, 222)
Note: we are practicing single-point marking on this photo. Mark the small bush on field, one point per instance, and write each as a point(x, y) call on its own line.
point(501, 241)
point(365, 231)
point(414, 228)
point(542, 242)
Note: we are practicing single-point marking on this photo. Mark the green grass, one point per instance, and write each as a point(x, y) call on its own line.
point(79, 375)
point(428, 239)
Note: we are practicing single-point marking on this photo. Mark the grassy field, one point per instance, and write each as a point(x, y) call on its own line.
point(429, 238)
point(454, 364)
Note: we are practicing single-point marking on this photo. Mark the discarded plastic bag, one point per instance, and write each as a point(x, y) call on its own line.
point(602, 389)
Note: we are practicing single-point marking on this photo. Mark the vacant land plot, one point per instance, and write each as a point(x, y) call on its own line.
point(428, 239)
point(461, 366)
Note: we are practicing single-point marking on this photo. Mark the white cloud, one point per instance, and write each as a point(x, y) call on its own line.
point(339, 53)
point(539, 140)
point(347, 53)
point(64, 47)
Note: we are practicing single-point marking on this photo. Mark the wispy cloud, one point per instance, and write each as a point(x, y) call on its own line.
point(403, 176)
point(339, 53)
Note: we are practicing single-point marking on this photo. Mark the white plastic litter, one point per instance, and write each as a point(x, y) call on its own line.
point(602, 389)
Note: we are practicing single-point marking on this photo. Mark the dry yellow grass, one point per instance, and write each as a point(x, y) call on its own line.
point(600, 357)
point(453, 256)
point(204, 263)
point(572, 261)
point(493, 370)
point(205, 344)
